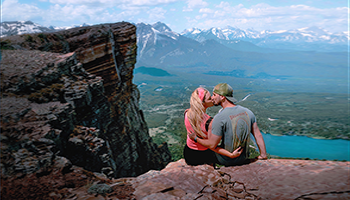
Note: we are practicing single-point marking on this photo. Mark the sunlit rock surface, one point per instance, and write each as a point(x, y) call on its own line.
point(267, 179)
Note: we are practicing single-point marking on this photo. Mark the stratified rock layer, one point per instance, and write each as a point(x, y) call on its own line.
point(106, 50)
point(75, 99)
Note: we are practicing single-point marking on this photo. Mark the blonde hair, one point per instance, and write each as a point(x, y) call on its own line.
point(196, 111)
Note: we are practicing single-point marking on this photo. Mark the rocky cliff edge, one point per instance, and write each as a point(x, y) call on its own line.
point(67, 99)
point(267, 179)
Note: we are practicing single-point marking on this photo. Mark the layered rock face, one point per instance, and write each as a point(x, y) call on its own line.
point(69, 96)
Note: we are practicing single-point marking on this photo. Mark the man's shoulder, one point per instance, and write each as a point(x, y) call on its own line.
point(222, 115)
point(239, 109)
point(246, 110)
point(219, 116)
point(243, 108)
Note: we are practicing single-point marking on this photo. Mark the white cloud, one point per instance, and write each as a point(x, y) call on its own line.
point(186, 9)
point(63, 2)
point(156, 14)
point(111, 10)
point(114, 2)
point(149, 2)
point(196, 3)
point(206, 10)
point(85, 14)
point(192, 4)
point(12, 9)
point(198, 17)
point(68, 12)
point(260, 10)
point(191, 20)
point(263, 16)
point(223, 4)
point(204, 14)
point(219, 14)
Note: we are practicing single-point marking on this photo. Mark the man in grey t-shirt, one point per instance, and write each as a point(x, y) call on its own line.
point(232, 126)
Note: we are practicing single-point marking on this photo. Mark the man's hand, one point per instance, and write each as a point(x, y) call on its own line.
point(262, 157)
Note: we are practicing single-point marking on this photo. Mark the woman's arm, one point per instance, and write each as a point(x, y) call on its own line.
point(224, 152)
point(213, 141)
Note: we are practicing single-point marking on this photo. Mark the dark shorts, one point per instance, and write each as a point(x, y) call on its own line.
point(197, 157)
point(226, 161)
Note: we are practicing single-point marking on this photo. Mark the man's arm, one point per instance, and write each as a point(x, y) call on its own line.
point(212, 141)
point(260, 141)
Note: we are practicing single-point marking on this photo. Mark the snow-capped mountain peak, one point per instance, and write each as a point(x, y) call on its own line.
point(306, 38)
point(191, 31)
point(149, 35)
point(21, 27)
point(313, 30)
point(268, 38)
point(161, 27)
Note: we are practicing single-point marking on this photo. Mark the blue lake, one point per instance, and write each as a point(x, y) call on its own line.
point(305, 147)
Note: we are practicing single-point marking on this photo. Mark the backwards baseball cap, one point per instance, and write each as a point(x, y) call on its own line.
point(225, 90)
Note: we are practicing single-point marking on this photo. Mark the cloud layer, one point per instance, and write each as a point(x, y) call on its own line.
point(180, 14)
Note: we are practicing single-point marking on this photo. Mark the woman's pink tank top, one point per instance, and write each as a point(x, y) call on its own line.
point(190, 143)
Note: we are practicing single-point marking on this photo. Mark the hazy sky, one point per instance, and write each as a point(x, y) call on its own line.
point(331, 15)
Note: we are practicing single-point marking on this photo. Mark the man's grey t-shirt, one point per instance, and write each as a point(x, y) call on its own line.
point(234, 125)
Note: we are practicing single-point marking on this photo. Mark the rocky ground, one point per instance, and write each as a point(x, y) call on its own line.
point(263, 179)
point(270, 179)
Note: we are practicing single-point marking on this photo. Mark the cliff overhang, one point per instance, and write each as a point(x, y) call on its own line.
point(69, 96)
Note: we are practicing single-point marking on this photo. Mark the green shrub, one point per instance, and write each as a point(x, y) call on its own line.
point(29, 38)
point(6, 45)
point(42, 36)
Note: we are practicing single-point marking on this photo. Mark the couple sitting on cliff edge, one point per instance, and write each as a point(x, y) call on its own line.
point(232, 126)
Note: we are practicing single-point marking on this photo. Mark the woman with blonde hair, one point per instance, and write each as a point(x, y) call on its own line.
point(197, 121)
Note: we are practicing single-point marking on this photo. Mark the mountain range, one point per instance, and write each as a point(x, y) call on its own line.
point(307, 53)
point(309, 39)
point(158, 46)
point(305, 39)
point(23, 27)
